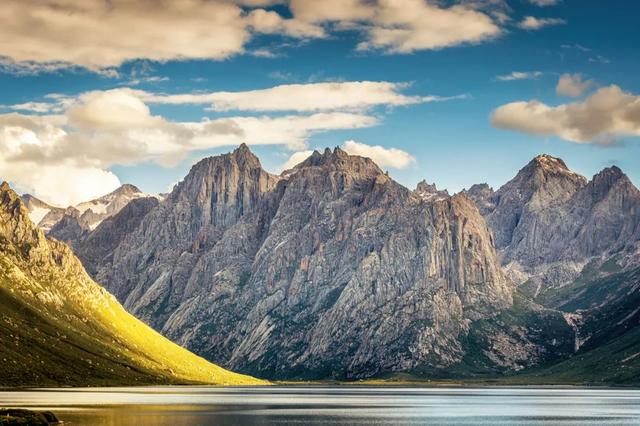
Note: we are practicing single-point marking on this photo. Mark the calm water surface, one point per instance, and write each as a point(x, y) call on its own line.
point(163, 406)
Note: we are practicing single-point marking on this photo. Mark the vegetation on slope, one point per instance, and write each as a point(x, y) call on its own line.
point(58, 327)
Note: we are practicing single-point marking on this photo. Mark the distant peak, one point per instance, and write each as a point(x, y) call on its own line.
point(608, 178)
point(242, 149)
point(610, 172)
point(5, 186)
point(478, 187)
point(424, 186)
point(127, 187)
point(549, 162)
point(339, 160)
point(428, 191)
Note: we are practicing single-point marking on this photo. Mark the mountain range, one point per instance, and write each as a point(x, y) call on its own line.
point(334, 270)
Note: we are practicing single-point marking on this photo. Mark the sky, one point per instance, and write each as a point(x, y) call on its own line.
point(97, 93)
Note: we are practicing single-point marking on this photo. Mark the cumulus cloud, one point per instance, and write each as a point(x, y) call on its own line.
point(101, 35)
point(573, 85)
point(100, 129)
point(518, 75)
point(405, 26)
point(295, 159)
point(326, 96)
point(532, 23)
point(608, 113)
point(98, 34)
point(384, 157)
point(270, 22)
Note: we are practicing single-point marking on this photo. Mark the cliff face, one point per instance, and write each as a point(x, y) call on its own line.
point(74, 223)
point(332, 269)
point(549, 222)
point(58, 327)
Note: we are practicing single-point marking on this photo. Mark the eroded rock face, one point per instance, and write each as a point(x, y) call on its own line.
point(331, 270)
point(549, 222)
point(97, 246)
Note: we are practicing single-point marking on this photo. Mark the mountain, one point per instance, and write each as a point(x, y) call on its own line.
point(548, 222)
point(95, 211)
point(330, 270)
point(71, 224)
point(58, 327)
point(573, 245)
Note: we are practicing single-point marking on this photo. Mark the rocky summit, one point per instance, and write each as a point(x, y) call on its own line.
point(330, 270)
point(549, 222)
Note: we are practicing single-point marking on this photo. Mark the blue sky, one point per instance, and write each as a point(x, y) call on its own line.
point(452, 142)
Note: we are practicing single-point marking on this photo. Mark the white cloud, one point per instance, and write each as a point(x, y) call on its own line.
point(102, 35)
point(327, 96)
point(603, 116)
point(295, 159)
point(544, 3)
point(98, 34)
point(270, 22)
point(518, 75)
point(405, 26)
point(37, 107)
point(573, 85)
point(63, 158)
point(401, 26)
point(533, 23)
point(384, 157)
point(332, 10)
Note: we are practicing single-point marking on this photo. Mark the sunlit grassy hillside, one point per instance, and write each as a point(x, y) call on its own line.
point(57, 326)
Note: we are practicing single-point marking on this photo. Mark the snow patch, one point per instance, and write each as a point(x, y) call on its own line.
point(37, 214)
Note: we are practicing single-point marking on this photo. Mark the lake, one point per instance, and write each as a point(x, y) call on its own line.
point(326, 405)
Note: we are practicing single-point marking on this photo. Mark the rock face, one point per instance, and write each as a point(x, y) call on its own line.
point(330, 270)
point(58, 327)
point(429, 192)
point(96, 247)
point(549, 222)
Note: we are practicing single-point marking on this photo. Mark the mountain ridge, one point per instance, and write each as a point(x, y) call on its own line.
point(304, 250)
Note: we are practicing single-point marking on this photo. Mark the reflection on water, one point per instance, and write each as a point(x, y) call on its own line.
point(193, 406)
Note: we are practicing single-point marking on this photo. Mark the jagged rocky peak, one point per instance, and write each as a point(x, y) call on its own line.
point(610, 178)
point(550, 163)
point(430, 192)
point(483, 195)
point(233, 180)
point(15, 225)
point(127, 189)
point(545, 168)
point(11, 203)
point(340, 160)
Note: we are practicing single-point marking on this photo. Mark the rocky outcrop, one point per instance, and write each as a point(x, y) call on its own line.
point(96, 247)
point(330, 270)
point(549, 222)
point(429, 192)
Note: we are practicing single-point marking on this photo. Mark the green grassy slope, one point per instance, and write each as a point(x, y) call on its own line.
point(58, 327)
